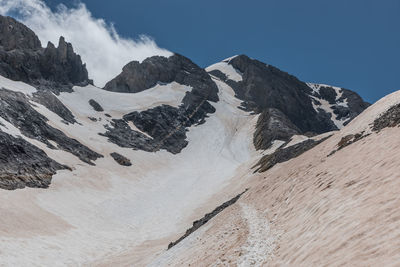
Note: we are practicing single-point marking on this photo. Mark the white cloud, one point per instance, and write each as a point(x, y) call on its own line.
point(98, 43)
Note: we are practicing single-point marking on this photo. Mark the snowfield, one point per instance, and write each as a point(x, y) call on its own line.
point(228, 70)
point(123, 103)
point(96, 213)
point(314, 210)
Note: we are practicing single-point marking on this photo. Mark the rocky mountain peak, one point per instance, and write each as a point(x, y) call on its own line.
point(166, 124)
point(263, 89)
point(287, 105)
point(136, 77)
point(22, 58)
point(62, 64)
point(65, 50)
point(50, 45)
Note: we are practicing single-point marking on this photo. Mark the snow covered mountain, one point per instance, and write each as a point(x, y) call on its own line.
point(115, 175)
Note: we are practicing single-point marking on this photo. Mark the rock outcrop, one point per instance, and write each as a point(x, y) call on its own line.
point(16, 109)
point(272, 125)
point(199, 223)
point(121, 160)
point(51, 102)
point(137, 77)
point(22, 58)
point(24, 165)
point(50, 69)
point(96, 106)
point(264, 86)
point(391, 118)
point(285, 154)
point(287, 105)
point(165, 124)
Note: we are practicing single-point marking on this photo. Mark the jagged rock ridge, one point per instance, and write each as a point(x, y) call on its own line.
point(22, 58)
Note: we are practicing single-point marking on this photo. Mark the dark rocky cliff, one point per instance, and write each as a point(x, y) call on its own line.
point(22, 58)
point(285, 102)
point(265, 86)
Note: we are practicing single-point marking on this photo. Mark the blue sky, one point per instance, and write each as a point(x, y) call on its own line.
point(352, 44)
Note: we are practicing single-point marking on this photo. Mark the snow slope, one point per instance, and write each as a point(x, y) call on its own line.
point(96, 214)
point(227, 69)
point(123, 103)
point(314, 210)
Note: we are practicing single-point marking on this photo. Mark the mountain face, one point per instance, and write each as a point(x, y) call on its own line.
point(117, 174)
point(287, 105)
point(15, 35)
point(165, 125)
point(22, 58)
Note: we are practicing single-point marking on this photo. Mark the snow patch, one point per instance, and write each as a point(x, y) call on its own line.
point(227, 60)
point(118, 104)
point(16, 86)
point(326, 106)
point(8, 128)
point(227, 69)
point(316, 86)
point(134, 128)
point(260, 242)
point(339, 92)
point(296, 139)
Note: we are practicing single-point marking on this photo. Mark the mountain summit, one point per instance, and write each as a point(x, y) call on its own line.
point(22, 58)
